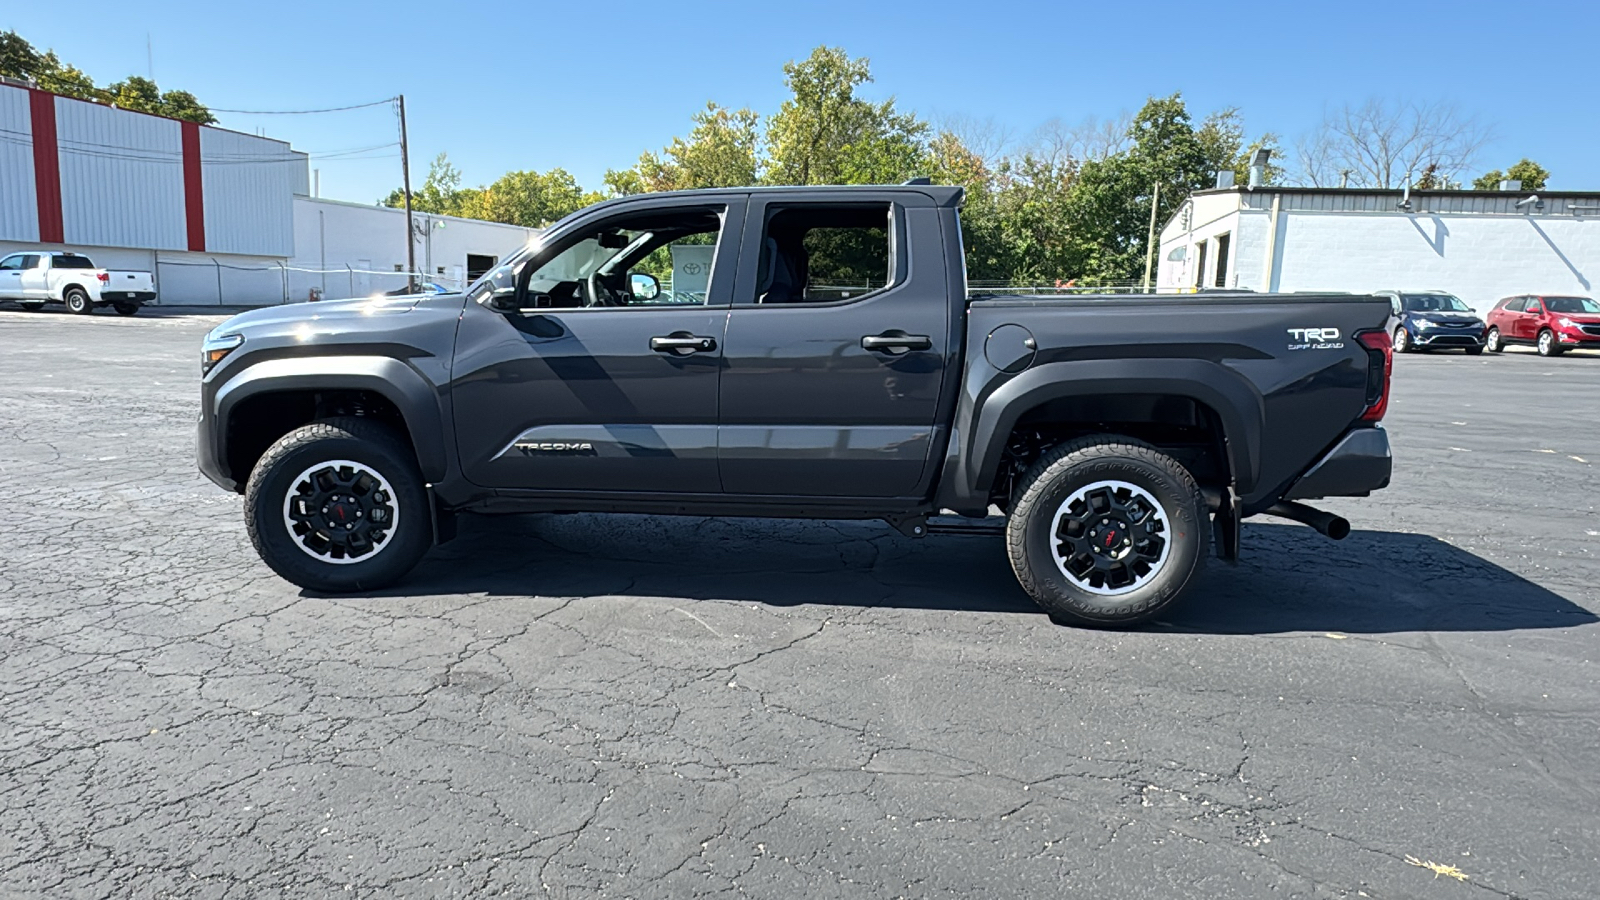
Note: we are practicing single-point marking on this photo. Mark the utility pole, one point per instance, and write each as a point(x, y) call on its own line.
point(405, 168)
point(1150, 242)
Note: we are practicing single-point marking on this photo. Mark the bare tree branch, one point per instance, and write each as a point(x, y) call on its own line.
point(1383, 144)
point(985, 138)
point(1091, 139)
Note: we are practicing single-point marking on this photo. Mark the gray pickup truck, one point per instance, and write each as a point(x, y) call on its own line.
point(817, 355)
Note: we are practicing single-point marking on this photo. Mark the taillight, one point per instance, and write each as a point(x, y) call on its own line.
point(103, 276)
point(1380, 359)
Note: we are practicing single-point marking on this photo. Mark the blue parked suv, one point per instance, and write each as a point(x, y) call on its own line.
point(1434, 320)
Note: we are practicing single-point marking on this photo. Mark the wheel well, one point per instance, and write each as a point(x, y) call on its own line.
point(257, 423)
point(68, 289)
point(1190, 431)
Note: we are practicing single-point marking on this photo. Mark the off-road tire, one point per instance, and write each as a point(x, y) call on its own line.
point(1494, 341)
point(126, 309)
point(78, 302)
point(362, 441)
point(1053, 479)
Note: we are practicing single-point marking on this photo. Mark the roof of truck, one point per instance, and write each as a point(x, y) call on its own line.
point(941, 194)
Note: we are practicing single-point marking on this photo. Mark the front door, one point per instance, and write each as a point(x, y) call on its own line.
point(594, 374)
point(835, 350)
point(11, 277)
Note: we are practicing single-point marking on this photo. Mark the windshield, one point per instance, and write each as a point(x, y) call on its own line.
point(1435, 303)
point(1572, 305)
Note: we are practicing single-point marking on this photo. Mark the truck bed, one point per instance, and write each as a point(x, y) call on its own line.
point(1290, 361)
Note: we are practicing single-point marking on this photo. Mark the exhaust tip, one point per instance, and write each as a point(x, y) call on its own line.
point(1338, 528)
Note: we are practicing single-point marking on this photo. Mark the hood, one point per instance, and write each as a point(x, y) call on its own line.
point(1444, 316)
point(327, 314)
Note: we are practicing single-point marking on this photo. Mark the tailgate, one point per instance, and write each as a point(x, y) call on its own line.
point(119, 280)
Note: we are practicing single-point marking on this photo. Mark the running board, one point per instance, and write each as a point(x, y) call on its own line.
point(994, 526)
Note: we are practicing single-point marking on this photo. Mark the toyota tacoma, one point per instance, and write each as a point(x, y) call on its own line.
point(797, 352)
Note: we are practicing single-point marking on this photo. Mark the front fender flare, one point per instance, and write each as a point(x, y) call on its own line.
point(1230, 395)
point(387, 376)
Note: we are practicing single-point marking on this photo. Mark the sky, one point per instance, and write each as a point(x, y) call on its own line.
point(588, 86)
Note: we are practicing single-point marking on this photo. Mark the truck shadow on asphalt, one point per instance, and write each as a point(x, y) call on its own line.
point(1291, 579)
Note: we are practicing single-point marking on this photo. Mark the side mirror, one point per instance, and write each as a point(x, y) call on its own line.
point(644, 286)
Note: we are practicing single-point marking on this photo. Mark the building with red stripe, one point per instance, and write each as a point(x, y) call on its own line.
point(212, 212)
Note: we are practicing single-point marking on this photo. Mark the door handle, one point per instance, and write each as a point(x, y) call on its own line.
point(896, 342)
point(682, 343)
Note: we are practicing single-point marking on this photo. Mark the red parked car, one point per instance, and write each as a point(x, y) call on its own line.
point(1553, 324)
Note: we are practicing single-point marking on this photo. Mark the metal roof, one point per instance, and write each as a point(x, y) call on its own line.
point(1304, 199)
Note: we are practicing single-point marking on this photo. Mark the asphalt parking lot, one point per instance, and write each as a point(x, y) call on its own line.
point(654, 707)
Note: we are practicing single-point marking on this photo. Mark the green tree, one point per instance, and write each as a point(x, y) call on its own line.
point(825, 134)
point(440, 193)
point(142, 95)
point(720, 151)
point(530, 199)
point(19, 59)
point(1221, 134)
point(1531, 174)
point(1108, 210)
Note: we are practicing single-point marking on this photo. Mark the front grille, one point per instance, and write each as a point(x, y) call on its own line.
point(1592, 329)
point(1454, 340)
point(1457, 324)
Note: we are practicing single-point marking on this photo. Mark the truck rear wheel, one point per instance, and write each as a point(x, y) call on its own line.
point(1107, 531)
point(77, 300)
point(126, 309)
point(339, 505)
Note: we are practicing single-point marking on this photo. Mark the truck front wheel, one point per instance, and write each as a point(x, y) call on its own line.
point(338, 505)
point(1107, 531)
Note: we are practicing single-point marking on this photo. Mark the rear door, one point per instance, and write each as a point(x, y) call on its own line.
point(836, 347)
point(36, 276)
point(1528, 322)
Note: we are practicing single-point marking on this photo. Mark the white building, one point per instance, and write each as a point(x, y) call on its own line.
point(1478, 245)
point(220, 217)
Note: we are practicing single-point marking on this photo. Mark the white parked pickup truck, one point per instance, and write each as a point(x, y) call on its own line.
point(34, 279)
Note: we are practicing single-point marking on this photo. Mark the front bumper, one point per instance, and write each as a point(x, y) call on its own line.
point(206, 452)
point(1356, 466)
point(1445, 338)
point(1577, 339)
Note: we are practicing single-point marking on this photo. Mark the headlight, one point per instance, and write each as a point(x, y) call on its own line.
point(1565, 322)
point(217, 347)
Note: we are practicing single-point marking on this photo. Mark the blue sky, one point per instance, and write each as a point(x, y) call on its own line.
point(587, 86)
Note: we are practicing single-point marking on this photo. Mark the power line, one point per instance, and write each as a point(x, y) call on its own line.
point(300, 112)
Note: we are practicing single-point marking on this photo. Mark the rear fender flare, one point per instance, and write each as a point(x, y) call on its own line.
point(1233, 398)
point(391, 378)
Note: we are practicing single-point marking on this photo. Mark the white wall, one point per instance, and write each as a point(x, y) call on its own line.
point(246, 183)
point(331, 235)
point(1479, 258)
